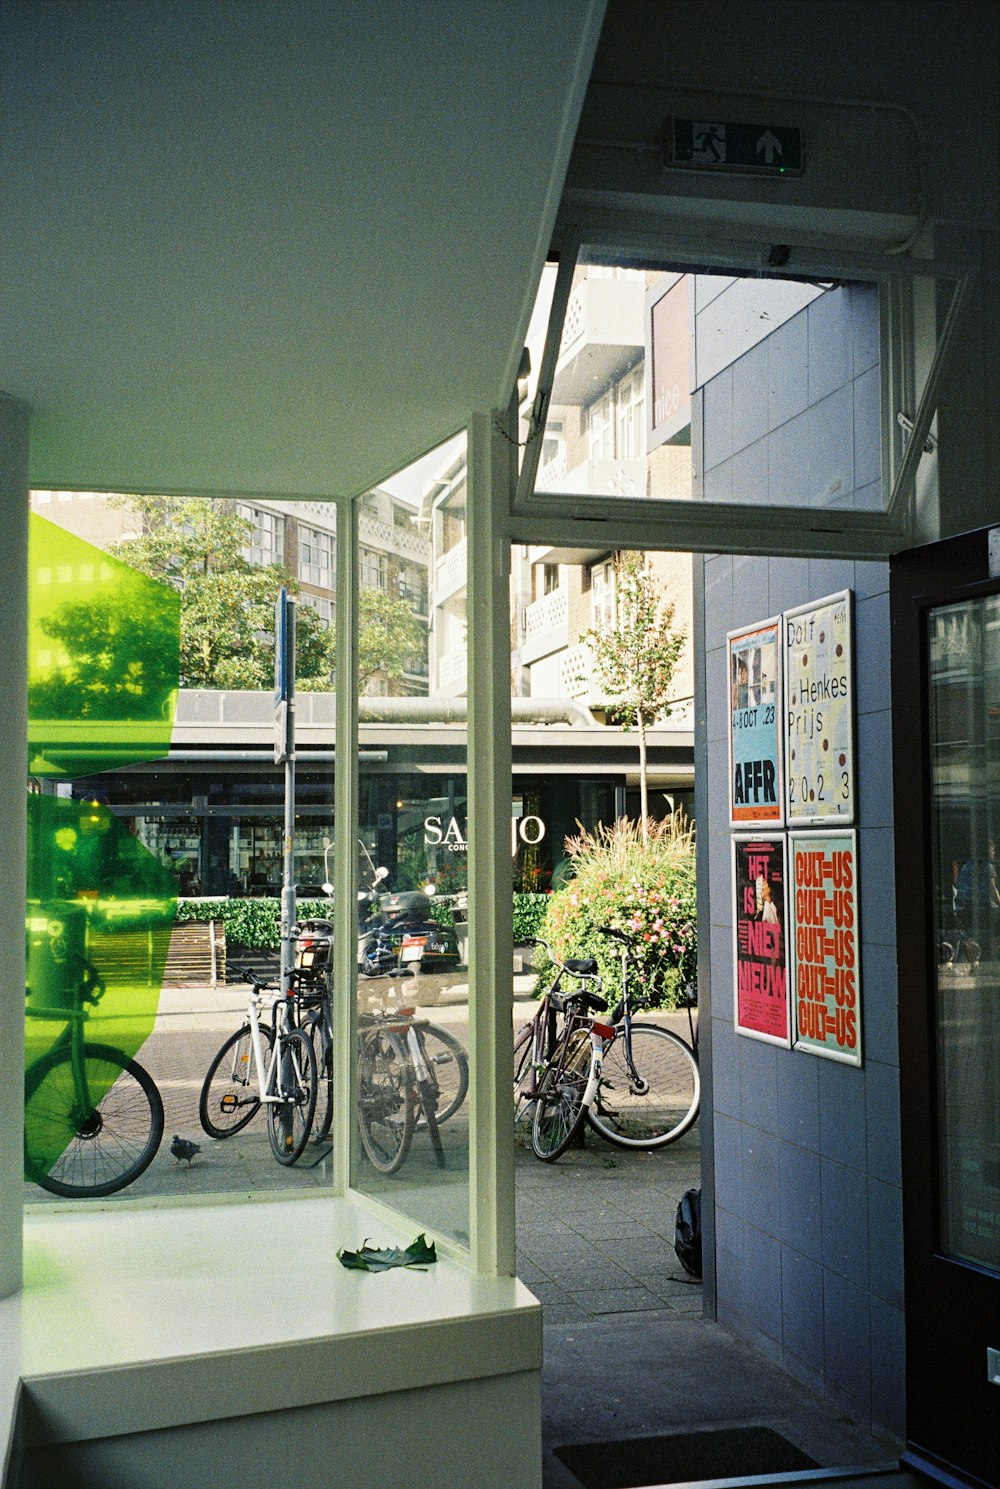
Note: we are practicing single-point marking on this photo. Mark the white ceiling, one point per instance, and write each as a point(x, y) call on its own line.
point(276, 246)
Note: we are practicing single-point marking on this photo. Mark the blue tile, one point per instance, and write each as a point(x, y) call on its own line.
point(762, 1180)
point(871, 577)
point(717, 714)
point(845, 1222)
point(788, 370)
point(750, 398)
point(802, 1308)
point(871, 653)
point(847, 1343)
point(762, 1285)
point(876, 869)
point(718, 417)
point(749, 585)
point(787, 473)
point(864, 326)
point(758, 1084)
point(888, 1336)
point(729, 1287)
point(842, 1112)
point(885, 1241)
point(697, 446)
point(879, 1004)
point(718, 600)
point(717, 482)
point(801, 1201)
point(831, 353)
point(882, 1087)
point(867, 428)
point(750, 476)
point(874, 777)
point(725, 1063)
point(798, 1100)
point(829, 451)
point(728, 1164)
point(788, 583)
point(828, 576)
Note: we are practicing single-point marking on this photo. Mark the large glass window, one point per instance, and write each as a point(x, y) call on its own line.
point(267, 545)
point(317, 557)
point(964, 665)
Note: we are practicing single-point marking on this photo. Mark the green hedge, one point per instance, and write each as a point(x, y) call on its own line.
point(529, 913)
point(256, 923)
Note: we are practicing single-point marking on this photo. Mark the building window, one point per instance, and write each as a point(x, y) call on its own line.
point(322, 607)
point(602, 594)
point(550, 578)
point(317, 557)
point(374, 569)
point(267, 543)
point(601, 428)
point(631, 416)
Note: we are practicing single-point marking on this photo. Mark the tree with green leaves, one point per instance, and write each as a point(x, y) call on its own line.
point(636, 654)
point(227, 603)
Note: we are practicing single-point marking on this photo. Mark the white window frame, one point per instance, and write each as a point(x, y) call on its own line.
point(581, 519)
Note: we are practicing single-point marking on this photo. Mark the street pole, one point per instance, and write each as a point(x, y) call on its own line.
point(284, 750)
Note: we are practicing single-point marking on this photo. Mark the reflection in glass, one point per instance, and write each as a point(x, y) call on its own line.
point(411, 1060)
point(964, 666)
point(674, 386)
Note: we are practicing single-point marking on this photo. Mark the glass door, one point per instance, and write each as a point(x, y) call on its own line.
point(946, 680)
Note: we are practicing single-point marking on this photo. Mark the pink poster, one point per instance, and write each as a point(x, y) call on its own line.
point(760, 920)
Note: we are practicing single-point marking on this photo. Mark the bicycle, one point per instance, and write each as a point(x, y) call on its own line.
point(281, 1059)
point(409, 1072)
point(557, 1069)
point(642, 1089)
point(93, 1117)
point(650, 1089)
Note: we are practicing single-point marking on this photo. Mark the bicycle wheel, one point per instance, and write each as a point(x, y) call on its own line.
point(385, 1099)
point(662, 1106)
point(83, 1150)
point(523, 1071)
point(323, 1120)
point(448, 1066)
point(229, 1098)
point(559, 1109)
point(289, 1121)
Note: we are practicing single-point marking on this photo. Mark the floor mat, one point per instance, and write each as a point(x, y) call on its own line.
point(681, 1457)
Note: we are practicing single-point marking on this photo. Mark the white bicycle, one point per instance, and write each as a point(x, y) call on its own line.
point(263, 1064)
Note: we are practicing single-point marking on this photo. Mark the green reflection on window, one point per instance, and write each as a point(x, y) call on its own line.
point(99, 912)
point(103, 658)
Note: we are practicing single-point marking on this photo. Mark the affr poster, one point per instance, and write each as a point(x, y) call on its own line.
point(760, 922)
point(756, 785)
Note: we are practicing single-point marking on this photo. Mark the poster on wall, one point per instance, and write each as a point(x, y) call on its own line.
point(760, 922)
point(826, 952)
point(819, 712)
point(756, 790)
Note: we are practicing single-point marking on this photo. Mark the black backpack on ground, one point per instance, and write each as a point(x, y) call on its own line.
point(687, 1232)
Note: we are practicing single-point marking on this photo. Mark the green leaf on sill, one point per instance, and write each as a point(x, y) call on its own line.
point(375, 1259)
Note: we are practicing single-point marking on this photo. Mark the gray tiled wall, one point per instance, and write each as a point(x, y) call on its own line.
point(806, 1151)
point(795, 420)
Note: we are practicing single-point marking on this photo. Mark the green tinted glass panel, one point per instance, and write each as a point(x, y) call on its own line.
point(103, 658)
point(99, 912)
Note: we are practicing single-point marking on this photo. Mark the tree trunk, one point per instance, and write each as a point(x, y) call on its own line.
point(643, 788)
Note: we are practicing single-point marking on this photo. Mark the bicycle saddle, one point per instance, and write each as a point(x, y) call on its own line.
point(583, 966)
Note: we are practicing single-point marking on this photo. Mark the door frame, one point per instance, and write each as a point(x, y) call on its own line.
point(953, 1412)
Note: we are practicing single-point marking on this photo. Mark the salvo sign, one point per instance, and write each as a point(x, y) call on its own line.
point(445, 832)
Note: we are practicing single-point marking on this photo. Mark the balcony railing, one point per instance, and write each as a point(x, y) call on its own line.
point(449, 575)
point(452, 669)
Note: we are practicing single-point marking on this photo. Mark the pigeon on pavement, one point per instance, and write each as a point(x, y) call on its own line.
point(183, 1149)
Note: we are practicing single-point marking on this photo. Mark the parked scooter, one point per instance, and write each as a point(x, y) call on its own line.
point(401, 937)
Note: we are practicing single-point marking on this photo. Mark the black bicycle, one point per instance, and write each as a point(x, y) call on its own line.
point(93, 1117)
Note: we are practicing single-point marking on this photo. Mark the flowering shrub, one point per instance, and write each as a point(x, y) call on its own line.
point(646, 890)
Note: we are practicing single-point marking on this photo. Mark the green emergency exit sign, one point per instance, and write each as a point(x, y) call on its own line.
point(704, 145)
